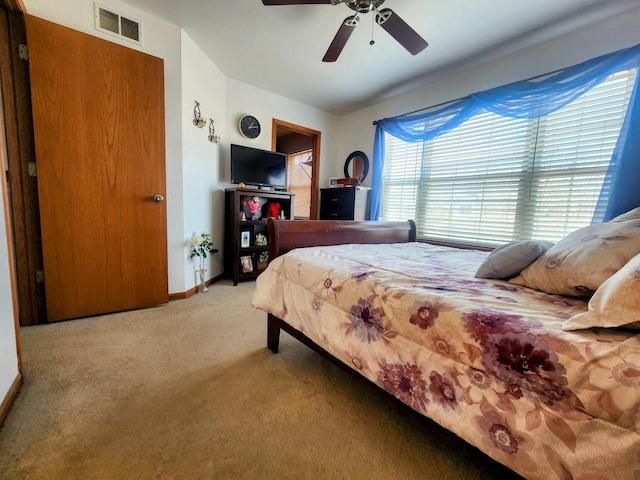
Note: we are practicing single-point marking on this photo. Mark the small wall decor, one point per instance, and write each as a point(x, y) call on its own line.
point(213, 138)
point(198, 120)
point(249, 126)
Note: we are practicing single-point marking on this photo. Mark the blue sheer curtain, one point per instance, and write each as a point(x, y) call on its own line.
point(525, 99)
point(621, 189)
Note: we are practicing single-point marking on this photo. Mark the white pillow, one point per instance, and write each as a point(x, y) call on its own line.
point(615, 304)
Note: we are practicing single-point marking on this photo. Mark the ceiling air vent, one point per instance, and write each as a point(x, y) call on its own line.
point(117, 25)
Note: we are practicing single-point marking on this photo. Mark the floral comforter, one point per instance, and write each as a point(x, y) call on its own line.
point(486, 359)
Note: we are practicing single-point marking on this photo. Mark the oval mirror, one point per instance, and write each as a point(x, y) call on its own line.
point(357, 166)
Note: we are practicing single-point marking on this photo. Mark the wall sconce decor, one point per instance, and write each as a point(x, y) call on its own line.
point(213, 138)
point(198, 120)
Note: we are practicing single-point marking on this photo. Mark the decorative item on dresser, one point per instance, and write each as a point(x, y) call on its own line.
point(344, 203)
point(246, 235)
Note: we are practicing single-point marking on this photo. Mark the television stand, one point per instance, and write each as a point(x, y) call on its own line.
point(246, 239)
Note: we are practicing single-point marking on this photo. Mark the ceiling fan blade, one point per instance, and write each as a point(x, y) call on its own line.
point(340, 40)
point(401, 31)
point(295, 2)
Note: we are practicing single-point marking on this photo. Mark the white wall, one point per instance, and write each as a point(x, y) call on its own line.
point(357, 130)
point(203, 197)
point(244, 99)
point(205, 166)
point(8, 347)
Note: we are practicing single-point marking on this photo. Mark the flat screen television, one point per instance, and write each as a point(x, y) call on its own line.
point(255, 167)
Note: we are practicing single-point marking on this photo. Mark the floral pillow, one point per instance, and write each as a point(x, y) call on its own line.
point(583, 260)
point(509, 259)
point(615, 304)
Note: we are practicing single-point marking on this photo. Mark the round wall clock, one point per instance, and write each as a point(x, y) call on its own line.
point(249, 126)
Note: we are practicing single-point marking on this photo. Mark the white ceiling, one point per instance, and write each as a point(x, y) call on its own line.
point(280, 48)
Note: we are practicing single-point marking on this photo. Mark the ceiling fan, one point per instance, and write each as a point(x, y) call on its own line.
point(386, 18)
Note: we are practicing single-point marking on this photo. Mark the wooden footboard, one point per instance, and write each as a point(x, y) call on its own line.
point(285, 235)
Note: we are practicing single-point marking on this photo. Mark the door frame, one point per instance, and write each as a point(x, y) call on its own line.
point(23, 188)
point(316, 141)
point(12, 22)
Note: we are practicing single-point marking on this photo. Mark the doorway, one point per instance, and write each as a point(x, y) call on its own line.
point(302, 146)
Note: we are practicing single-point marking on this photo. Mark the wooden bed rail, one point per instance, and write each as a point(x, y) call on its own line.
point(285, 235)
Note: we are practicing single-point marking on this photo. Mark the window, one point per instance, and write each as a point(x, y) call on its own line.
point(495, 179)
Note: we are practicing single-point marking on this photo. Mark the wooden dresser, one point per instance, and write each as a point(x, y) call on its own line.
point(344, 203)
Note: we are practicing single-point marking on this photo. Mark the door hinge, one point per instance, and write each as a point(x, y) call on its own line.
point(39, 276)
point(23, 52)
point(32, 169)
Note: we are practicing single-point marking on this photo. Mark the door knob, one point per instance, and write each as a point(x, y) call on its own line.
point(158, 198)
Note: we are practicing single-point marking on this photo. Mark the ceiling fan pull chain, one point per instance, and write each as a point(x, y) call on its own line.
point(373, 21)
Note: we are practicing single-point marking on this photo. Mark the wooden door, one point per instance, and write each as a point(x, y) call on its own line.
point(98, 112)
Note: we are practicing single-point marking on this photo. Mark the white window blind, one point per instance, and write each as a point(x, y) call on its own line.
point(495, 179)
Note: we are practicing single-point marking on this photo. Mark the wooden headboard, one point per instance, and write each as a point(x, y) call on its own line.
point(285, 235)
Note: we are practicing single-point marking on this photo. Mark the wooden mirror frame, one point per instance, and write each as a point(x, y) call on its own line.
point(365, 161)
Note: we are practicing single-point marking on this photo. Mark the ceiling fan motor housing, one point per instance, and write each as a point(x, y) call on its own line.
point(364, 6)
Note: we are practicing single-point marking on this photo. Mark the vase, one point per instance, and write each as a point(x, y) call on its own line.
point(202, 287)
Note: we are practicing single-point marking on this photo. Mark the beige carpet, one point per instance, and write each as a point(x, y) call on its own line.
point(188, 391)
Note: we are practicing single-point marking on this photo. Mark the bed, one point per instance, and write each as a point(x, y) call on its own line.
point(491, 360)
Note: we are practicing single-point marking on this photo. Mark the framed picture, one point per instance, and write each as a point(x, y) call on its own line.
point(244, 239)
point(247, 264)
point(333, 182)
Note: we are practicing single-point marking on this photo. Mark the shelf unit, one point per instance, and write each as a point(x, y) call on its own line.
point(243, 259)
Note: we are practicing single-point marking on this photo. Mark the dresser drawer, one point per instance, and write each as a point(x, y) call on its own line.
point(346, 203)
